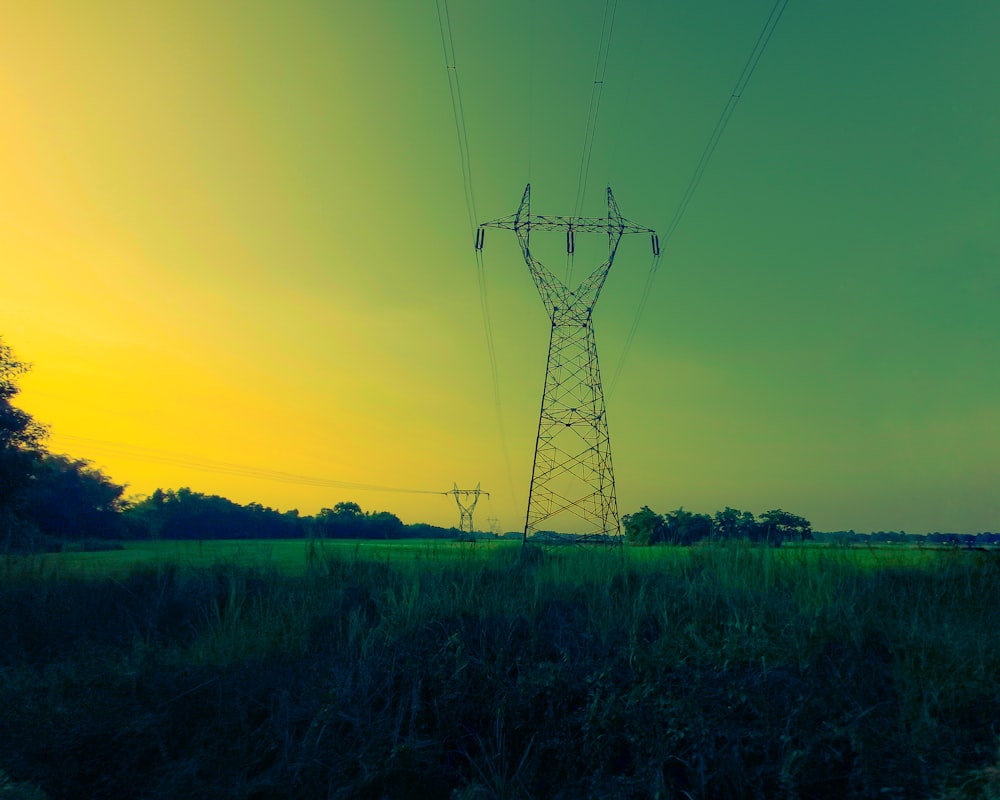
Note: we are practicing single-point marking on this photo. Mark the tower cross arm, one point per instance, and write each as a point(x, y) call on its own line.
point(541, 222)
point(456, 492)
point(522, 221)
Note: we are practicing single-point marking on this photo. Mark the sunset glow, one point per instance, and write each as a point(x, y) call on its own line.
point(234, 238)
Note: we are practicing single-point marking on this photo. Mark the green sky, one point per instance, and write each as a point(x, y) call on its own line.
point(236, 232)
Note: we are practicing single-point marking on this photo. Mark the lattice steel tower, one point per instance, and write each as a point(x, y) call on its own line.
point(465, 511)
point(572, 474)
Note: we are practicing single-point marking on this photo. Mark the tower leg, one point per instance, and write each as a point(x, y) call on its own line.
point(572, 480)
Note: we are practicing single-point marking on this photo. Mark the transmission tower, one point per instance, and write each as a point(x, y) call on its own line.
point(466, 509)
point(572, 473)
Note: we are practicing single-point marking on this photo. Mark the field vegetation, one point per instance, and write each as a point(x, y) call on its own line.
point(458, 670)
point(347, 655)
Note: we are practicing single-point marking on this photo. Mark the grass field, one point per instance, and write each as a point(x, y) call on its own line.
point(288, 556)
point(293, 556)
point(431, 669)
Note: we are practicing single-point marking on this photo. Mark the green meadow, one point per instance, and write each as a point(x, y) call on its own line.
point(287, 556)
point(438, 669)
point(294, 556)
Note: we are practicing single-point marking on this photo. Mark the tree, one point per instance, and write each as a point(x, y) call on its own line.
point(20, 445)
point(20, 435)
point(146, 517)
point(644, 528)
point(184, 514)
point(383, 525)
point(347, 509)
point(343, 521)
point(734, 524)
point(69, 499)
point(777, 526)
point(685, 527)
point(348, 521)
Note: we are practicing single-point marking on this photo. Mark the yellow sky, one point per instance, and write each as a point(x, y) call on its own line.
point(238, 235)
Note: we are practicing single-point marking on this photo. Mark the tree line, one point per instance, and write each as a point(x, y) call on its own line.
point(646, 527)
point(43, 494)
point(184, 514)
point(48, 500)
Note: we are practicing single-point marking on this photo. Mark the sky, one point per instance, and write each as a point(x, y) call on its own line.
point(236, 249)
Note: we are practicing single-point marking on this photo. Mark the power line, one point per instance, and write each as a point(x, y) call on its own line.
point(597, 90)
point(720, 126)
point(636, 55)
point(713, 140)
point(458, 111)
point(485, 306)
point(530, 127)
point(198, 463)
point(461, 130)
point(593, 111)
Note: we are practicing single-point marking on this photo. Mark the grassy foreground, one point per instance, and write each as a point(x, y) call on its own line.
point(474, 672)
point(287, 556)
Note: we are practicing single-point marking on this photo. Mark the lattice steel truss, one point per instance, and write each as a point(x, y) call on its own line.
point(465, 509)
point(572, 475)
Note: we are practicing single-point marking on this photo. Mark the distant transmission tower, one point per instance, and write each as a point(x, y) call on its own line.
point(466, 509)
point(572, 472)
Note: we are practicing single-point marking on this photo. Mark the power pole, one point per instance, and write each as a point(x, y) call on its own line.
point(572, 475)
point(465, 509)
